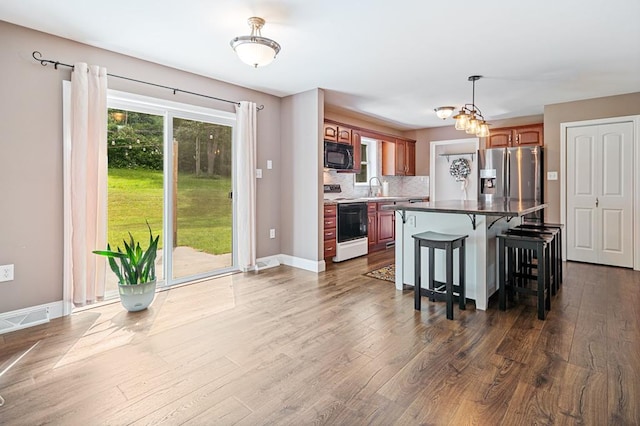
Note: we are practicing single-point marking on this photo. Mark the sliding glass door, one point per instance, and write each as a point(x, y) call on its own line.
point(170, 165)
point(202, 214)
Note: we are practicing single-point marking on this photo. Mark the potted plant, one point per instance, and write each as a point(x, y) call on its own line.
point(136, 271)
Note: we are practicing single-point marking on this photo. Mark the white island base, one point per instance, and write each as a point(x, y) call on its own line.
point(481, 250)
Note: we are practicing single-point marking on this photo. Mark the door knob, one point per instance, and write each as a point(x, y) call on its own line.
point(597, 202)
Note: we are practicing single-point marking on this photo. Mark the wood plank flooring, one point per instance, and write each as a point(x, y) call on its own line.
point(286, 346)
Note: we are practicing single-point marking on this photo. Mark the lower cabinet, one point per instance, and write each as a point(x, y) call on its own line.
point(330, 234)
point(386, 227)
point(372, 226)
point(381, 226)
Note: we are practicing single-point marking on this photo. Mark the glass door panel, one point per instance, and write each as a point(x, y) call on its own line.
point(202, 223)
point(135, 183)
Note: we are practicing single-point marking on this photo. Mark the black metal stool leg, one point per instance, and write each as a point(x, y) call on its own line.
point(449, 281)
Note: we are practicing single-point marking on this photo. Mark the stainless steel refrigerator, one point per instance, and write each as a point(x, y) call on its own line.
point(511, 174)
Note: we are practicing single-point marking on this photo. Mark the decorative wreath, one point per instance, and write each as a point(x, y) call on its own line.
point(460, 169)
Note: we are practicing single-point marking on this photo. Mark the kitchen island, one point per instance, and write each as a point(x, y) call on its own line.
point(482, 221)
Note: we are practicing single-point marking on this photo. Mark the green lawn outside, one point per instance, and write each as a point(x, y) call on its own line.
point(204, 209)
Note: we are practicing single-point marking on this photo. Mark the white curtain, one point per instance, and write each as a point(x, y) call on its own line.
point(245, 142)
point(85, 186)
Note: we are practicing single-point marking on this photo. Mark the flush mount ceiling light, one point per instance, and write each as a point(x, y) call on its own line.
point(254, 49)
point(444, 112)
point(470, 118)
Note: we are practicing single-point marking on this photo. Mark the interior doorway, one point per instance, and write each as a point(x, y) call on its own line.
point(599, 197)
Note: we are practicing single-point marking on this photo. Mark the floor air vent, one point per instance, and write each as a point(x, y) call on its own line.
point(15, 321)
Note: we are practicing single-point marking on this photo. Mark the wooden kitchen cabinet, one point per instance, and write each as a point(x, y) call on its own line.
point(381, 226)
point(372, 226)
point(386, 227)
point(399, 157)
point(342, 134)
point(512, 137)
point(330, 230)
point(335, 133)
point(410, 157)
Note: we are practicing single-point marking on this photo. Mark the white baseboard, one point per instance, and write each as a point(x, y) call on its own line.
point(306, 264)
point(28, 317)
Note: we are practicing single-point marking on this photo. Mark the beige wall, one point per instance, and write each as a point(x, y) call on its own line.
point(31, 222)
point(556, 114)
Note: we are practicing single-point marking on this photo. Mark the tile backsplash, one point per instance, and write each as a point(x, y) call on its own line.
point(413, 186)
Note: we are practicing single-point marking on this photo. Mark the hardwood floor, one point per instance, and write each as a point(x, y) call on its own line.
point(286, 346)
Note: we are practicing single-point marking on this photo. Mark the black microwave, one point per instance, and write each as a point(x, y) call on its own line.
point(338, 156)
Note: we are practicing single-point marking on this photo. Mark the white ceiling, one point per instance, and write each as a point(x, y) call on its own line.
point(392, 60)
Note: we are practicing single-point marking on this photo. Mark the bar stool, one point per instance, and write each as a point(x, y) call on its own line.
point(549, 226)
point(514, 277)
point(526, 257)
point(446, 242)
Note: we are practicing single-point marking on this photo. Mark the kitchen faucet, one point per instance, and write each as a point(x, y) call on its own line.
point(370, 190)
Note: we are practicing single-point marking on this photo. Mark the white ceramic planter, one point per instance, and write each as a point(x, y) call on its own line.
point(137, 297)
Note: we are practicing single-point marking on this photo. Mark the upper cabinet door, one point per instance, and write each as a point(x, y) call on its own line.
point(401, 157)
point(330, 132)
point(410, 159)
point(531, 135)
point(500, 138)
point(344, 135)
point(357, 151)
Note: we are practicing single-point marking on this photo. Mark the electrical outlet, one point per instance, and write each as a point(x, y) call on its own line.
point(272, 233)
point(259, 173)
point(411, 220)
point(552, 175)
point(6, 273)
point(269, 164)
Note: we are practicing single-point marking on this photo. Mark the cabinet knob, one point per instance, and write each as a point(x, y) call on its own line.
point(518, 138)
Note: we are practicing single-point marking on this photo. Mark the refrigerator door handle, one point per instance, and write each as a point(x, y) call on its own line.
point(507, 174)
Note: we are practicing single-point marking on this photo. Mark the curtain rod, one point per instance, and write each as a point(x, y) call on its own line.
point(44, 63)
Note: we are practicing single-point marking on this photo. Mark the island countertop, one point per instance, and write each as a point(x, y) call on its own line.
point(498, 207)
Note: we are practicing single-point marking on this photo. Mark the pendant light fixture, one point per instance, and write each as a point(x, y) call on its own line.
point(469, 118)
point(444, 112)
point(254, 49)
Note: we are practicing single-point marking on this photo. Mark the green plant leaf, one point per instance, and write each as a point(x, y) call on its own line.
point(137, 266)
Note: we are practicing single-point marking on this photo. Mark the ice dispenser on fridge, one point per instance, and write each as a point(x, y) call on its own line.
point(488, 183)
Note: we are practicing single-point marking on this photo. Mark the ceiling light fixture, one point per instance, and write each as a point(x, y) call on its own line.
point(470, 118)
point(254, 49)
point(444, 112)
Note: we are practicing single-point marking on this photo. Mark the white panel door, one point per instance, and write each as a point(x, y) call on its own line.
point(600, 194)
point(581, 194)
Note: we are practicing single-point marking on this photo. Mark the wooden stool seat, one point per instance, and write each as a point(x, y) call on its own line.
point(445, 290)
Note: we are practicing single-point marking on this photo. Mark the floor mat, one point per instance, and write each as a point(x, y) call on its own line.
point(387, 273)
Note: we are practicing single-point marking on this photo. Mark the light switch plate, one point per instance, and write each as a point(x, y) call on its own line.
point(258, 173)
point(552, 175)
point(269, 164)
